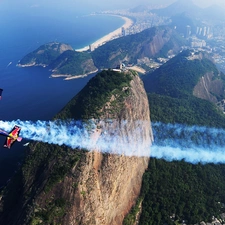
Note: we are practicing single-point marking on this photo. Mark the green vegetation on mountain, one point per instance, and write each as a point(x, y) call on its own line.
point(177, 191)
point(133, 47)
point(56, 161)
point(114, 51)
point(190, 111)
point(73, 63)
point(96, 93)
point(51, 161)
point(61, 59)
point(45, 54)
point(178, 77)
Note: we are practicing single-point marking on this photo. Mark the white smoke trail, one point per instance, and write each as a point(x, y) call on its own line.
point(52, 132)
point(191, 155)
point(193, 144)
point(107, 137)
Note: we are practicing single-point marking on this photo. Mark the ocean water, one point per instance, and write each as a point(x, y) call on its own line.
point(29, 93)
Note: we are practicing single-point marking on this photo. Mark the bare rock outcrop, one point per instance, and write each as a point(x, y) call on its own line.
point(209, 88)
point(109, 184)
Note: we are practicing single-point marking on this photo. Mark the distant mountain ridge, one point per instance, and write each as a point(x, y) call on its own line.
point(184, 74)
point(213, 13)
point(188, 83)
point(179, 7)
point(150, 43)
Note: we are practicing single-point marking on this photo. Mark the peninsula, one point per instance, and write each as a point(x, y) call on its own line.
point(61, 59)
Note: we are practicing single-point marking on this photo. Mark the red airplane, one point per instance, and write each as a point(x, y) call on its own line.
point(11, 137)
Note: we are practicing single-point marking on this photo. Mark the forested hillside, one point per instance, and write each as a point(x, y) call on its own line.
point(150, 43)
point(178, 191)
point(96, 93)
point(178, 77)
point(73, 63)
point(45, 54)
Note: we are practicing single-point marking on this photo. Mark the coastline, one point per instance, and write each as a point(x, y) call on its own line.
point(112, 35)
point(108, 37)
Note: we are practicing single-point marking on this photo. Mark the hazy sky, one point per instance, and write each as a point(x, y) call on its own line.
point(127, 3)
point(202, 3)
point(93, 5)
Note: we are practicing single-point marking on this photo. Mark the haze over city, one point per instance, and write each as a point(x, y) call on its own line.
point(99, 4)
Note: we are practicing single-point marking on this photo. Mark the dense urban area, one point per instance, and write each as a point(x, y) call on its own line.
point(207, 36)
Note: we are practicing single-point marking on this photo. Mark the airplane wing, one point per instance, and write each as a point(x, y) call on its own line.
point(12, 137)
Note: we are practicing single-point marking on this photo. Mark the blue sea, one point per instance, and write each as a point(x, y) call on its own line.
point(29, 93)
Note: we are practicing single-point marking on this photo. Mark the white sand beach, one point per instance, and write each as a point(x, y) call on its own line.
point(114, 34)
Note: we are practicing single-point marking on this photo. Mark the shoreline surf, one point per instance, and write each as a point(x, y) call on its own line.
point(110, 36)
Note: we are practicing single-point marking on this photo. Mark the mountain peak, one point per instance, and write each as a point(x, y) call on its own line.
point(179, 7)
point(58, 185)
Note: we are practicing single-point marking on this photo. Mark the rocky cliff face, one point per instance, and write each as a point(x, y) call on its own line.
point(209, 88)
point(112, 182)
point(160, 39)
point(164, 41)
point(211, 85)
point(87, 187)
